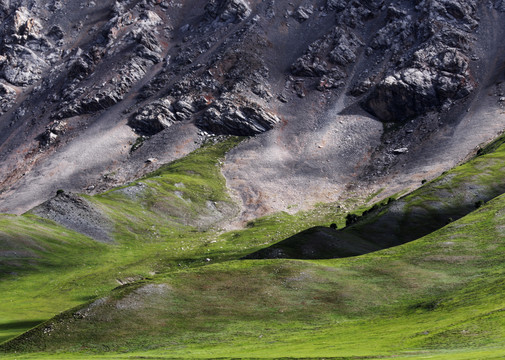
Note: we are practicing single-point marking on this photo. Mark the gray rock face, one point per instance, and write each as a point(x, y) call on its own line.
point(7, 97)
point(228, 10)
point(436, 73)
point(413, 91)
point(78, 101)
point(230, 67)
point(339, 47)
point(138, 35)
point(236, 117)
point(398, 29)
point(21, 59)
point(22, 66)
point(404, 95)
point(154, 118)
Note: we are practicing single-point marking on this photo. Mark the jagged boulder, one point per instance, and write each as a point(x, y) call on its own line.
point(153, 118)
point(438, 76)
point(432, 74)
point(236, 117)
point(303, 13)
point(403, 95)
point(53, 131)
point(21, 66)
point(227, 10)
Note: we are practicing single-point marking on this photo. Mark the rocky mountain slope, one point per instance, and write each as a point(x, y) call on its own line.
point(160, 158)
point(342, 95)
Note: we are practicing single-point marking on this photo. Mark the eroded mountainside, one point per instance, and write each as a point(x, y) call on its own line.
point(343, 96)
point(150, 145)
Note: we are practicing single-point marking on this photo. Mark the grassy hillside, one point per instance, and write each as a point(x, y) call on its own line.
point(439, 297)
point(162, 224)
point(445, 199)
point(185, 294)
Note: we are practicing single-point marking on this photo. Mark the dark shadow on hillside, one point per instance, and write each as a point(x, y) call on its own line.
point(372, 233)
point(386, 225)
point(20, 325)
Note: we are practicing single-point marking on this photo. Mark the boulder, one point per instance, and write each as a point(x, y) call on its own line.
point(56, 33)
point(53, 131)
point(404, 95)
point(227, 11)
point(303, 13)
point(236, 117)
point(22, 66)
point(153, 118)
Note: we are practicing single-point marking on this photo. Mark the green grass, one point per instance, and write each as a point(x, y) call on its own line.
point(449, 197)
point(46, 269)
point(439, 297)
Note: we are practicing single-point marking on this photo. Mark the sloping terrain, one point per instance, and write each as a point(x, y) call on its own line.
point(161, 223)
point(183, 294)
point(332, 89)
point(441, 296)
point(174, 167)
point(389, 223)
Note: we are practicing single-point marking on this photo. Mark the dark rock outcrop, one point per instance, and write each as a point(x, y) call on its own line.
point(53, 131)
point(328, 57)
point(154, 117)
point(437, 72)
point(236, 117)
point(303, 13)
point(22, 59)
point(227, 10)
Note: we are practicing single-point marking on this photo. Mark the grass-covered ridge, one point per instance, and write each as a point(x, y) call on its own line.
point(390, 223)
point(188, 295)
point(438, 297)
point(162, 223)
point(46, 268)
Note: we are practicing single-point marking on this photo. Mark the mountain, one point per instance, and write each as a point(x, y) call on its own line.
point(94, 90)
point(162, 164)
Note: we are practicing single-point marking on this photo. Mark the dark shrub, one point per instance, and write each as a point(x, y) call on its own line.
point(479, 203)
point(351, 219)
